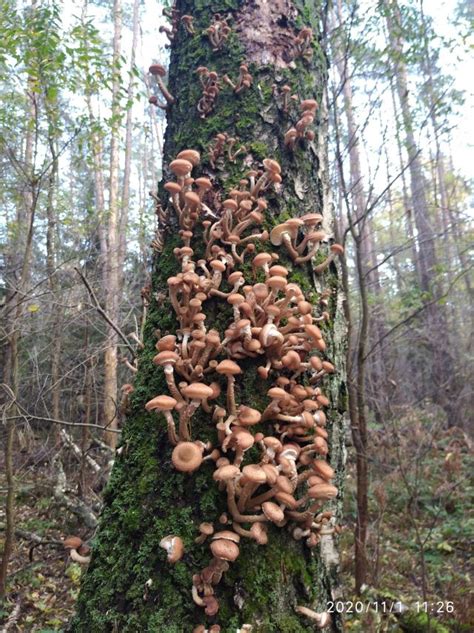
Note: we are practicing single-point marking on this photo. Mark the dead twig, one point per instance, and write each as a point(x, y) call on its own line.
point(78, 453)
point(13, 617)
point(76, 506)
point(103, 313)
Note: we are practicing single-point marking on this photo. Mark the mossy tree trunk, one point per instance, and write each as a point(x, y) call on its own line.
point(129, 585)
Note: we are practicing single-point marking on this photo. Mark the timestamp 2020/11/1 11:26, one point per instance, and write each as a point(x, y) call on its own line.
point(388, 606)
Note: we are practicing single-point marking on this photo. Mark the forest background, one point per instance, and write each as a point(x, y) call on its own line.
point(80, 157)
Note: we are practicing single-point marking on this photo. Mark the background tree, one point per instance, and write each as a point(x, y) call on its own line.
point(147, 498)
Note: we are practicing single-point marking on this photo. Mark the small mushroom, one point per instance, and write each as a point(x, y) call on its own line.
point(174, 547)
point(74, 545)
point(186, 457)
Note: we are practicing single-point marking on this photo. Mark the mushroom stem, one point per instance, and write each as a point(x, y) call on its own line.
point(231, 406)
point(173, 438)
point(240, 530)
point(184, 433)
point(240, 518)
point(248, 489)
point(311, 253)
point(169, 375)
point(77, 558)
point(256, 501)
point(164, 90)
point(320, 268)
point(196, 597)
point(320, 619)
point(286, 238)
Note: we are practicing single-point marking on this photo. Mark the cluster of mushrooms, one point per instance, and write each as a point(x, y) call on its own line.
point(218, 32)
point(271, 322)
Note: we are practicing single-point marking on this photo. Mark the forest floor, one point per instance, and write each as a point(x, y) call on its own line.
point(421, 528)
point(419, 520)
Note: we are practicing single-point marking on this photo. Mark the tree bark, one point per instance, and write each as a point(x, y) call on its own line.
point(129, 585)
point(18, 277)
point(128, 149)
point(440, 380)
point(111, 262)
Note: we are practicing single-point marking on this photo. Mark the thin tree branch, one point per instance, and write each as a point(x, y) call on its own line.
point(103, 313)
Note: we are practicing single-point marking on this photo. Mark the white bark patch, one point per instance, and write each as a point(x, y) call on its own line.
point(300, 189)
point(329, 552)
point(266, 30)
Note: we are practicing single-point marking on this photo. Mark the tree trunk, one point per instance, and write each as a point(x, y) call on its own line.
point(130, 586)
point(407, 204)
point(51, 262)
point(113, 244)
point(441, 380)
point(360, 223)
point(18, 276)
point(128, 149)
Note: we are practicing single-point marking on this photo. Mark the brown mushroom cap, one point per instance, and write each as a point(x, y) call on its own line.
point(216, 264)
point(181, 167)
point(276, 234)
point(72, 542)
point(271, 165)
point(166, 357)
point(228, 535)
point(212, 606)
point(206, 528)
point(273, 512)
point(228, 368)
point(337, 249)
point(295, 223)
point(276, 282)
point(312, 219)
point(197, 390)
point(284, 484)
point(172, 187)
point(192, 199)
point(230, 204)
point(328, 367)
point(281, 271)
point(248, 416)
point(157, 69)
point(290, 136)
point(271, 472)
point(243, 439)
point(166, 343)
point(234, 277)
point(254, 473)
point(323, 491)
point(288, 500)
point(203, 183)
point(277, 393)
point(322, 468)
point(226, 473)
point(259, 533)
point(273, 442)
point(190, 155)
point(313, 331)
point(308, 104)
point(174, 547)
point(186, 457)
point(161, 403)
point(225, 549)
point(316, 363)
point(261, 259)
